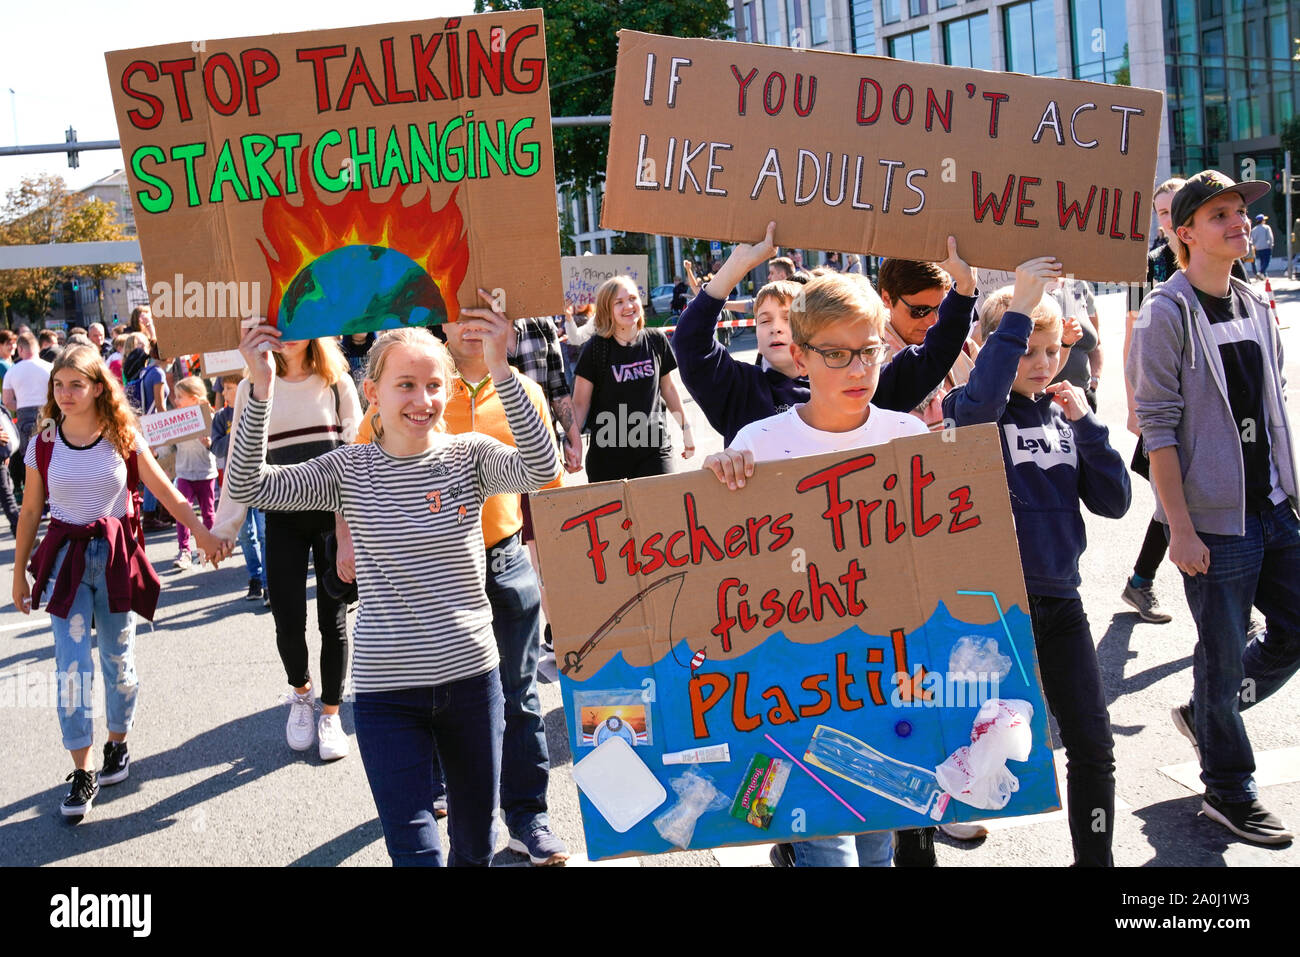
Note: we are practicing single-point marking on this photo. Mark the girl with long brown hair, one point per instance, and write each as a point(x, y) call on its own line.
point(316, 410)
point(91, 566)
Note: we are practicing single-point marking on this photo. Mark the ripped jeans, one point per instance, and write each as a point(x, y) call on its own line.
point(115, 633)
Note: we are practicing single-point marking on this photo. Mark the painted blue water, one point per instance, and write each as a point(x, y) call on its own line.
point(923, 734)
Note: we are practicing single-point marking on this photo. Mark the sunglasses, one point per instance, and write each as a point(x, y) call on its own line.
point(842, 358)
point(918, 312)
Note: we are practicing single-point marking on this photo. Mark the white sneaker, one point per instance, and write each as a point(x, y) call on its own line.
point(300, 731)
point(965, 832)
point(333, 739)
point(183, 561)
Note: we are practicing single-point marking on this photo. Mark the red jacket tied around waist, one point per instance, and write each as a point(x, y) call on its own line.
point(132, 583)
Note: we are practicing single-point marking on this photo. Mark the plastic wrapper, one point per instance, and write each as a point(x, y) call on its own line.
point(977, 775)
point(974, 658)
point(695, 796)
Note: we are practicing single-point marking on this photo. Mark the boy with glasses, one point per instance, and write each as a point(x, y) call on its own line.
point(837, 341)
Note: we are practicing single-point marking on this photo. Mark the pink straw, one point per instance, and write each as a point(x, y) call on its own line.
point(817, 779)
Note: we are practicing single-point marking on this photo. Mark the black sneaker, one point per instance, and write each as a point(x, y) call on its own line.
point(83, 793)
point(548, 643)
point(254, 590)
point(116, 759)
point(781, 855)
point(1143, 600)
point(1182, 716)
point(1247, 819)
point(266, 597)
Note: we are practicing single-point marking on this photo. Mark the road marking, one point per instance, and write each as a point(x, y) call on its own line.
point(751, 855)
point(39, 623)
point(1279, 766)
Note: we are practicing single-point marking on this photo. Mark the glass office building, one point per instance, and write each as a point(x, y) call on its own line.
point(1227, 66)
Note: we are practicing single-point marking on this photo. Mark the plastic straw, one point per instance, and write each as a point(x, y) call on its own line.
point(1005, 627)
point(816, 778)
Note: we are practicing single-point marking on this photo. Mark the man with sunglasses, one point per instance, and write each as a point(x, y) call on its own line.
point(913, 293)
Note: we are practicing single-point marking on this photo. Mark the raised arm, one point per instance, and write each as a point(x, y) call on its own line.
point(310, 486)
point(533, 462)
point(913, 373)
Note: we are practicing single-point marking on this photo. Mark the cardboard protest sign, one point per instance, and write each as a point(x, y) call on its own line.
point(343, 180)
point(175, 425)
point(837, 624)
point(875, 155)
point(583, 275)
point(222, 362)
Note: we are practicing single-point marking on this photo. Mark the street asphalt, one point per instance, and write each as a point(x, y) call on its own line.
point(212, 781)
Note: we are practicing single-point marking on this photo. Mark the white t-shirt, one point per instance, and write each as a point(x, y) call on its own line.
point(30, 380)
point(786, 435)
point(85, 483)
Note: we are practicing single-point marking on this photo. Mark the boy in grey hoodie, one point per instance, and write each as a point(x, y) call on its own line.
point(1206, 371)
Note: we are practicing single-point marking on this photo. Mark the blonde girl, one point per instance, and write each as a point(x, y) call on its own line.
point(425, 658)
point(196, 469)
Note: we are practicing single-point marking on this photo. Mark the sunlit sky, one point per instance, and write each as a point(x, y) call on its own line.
point(52, 59)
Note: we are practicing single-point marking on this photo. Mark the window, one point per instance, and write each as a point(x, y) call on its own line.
point(772, 23)
point(916, 8)
point(1030, 38)
point(966, 42)
point(794, 23)
point(891, 11)
point(1099, 32)
point(862, 21)
point(751, 24)
point(913, 46)
point(817, 16)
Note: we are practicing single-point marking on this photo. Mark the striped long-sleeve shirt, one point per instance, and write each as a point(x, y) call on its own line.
point(424, 617)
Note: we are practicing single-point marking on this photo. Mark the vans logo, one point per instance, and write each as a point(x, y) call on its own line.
point(1045, 446)
point(644, 369)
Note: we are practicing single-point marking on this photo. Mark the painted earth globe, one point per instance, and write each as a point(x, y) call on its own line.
point(359, 289)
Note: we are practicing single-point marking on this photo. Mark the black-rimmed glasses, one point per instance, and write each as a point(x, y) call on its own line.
point(841, 358)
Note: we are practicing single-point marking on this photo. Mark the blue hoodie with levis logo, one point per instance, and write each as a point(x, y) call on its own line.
point(1052, 464)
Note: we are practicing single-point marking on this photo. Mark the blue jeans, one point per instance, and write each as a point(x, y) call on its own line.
point(397, 732)
point(252, 539)
point(1229, 674)
point(516, 601)
point(847, 850)
point(115, 633)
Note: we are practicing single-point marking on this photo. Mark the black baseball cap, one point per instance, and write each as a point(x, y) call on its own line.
point(1203, 187)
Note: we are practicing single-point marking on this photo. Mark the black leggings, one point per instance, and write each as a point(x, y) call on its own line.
point(1154, 547)
point(290, 537)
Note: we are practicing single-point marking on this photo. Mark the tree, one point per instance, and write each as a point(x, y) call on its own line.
point(96, 221)
point(41, 210)
point(581, 50)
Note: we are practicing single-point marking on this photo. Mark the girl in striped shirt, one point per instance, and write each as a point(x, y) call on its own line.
point(424, 655)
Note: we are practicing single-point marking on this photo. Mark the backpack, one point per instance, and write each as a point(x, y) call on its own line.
point(134, 498)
